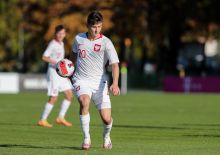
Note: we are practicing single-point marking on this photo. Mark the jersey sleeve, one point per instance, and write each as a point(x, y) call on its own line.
point(48, 50)
point(111, 53)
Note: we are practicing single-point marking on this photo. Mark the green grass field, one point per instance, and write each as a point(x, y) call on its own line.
point(144, 123)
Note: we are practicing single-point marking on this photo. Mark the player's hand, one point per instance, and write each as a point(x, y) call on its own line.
point(54, 62)
point(115, 90)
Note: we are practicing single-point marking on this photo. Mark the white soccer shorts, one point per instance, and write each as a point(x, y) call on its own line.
point(57, 83)
point(97, 92)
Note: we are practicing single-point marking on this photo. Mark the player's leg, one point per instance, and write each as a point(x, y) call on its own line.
point(84, 101)
point(64, 107)
point(65, 86)
point(84, 93)
point(107, 126)
point(52, 92)
point(47, 110)
point(103, 104)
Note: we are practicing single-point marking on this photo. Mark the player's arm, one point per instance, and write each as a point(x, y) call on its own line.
point(73, 57)
point(46, 55)
point(48, 60)
point(73, 54)
point(113, 61)
point(114, 88)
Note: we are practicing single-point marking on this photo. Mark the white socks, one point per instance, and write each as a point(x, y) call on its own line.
point(47, 109)
point(64, 107)
point(107, 130)
point(84, 121)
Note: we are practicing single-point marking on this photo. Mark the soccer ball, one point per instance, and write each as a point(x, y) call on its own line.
point(65, 68)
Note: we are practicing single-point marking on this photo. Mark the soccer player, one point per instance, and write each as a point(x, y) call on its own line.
point(55, 52)
point(91, 51)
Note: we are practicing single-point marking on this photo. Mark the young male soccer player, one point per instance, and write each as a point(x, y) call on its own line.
point(91, 51)
point(55, 52)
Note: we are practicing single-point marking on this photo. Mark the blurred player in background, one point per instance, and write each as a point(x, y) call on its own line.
point(55, 52)
point(91, 51)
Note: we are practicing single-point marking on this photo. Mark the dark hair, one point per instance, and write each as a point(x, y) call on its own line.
point(94, 18)
point(59, 28)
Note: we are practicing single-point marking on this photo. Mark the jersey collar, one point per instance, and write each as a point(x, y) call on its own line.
point(100, 36)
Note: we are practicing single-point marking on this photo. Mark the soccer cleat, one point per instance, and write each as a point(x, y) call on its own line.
point(86, 144)
point(107, 143)
point(63, 122)
point(44, 123)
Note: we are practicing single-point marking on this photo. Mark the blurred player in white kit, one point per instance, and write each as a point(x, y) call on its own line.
point(91, 51)
point(55, 52)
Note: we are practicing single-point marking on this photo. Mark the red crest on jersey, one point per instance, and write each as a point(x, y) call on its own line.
point(97, 47)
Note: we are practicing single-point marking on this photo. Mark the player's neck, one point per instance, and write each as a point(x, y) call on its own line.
point(59, 41)
point(92, 38)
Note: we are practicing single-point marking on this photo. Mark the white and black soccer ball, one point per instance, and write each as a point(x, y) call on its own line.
point(65, 68)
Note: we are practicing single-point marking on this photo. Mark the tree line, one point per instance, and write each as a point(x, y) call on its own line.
point(142, 30)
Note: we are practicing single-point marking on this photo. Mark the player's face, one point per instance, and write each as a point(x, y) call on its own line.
point(61, 35)
point(94, 30)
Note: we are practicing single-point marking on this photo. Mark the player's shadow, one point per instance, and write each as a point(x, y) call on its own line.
point(38, 147)
point(182, 127)
point(202, 125)
point(17, 124)
point(148, 127)
point(203, 135)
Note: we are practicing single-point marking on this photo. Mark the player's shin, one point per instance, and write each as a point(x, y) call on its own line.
point(107, 144)
point(64, 107)
point(61, 118)
point(84, 121)
point(107, 129)
point(47, 109)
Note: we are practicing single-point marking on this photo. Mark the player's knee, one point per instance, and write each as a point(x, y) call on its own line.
point(107, 120)
point(52, 99)
point(69, 97)
point(84, 101)
point(84, 110)
point(84, 105)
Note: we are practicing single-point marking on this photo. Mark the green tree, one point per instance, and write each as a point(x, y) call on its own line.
point(9, 21)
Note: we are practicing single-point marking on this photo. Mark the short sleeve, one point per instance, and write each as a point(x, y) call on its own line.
point(111, 53)
point(48, 50)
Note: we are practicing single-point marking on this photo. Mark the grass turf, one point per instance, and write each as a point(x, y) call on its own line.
point(144, 123)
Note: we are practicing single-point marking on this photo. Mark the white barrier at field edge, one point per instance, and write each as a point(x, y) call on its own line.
point(9, 83)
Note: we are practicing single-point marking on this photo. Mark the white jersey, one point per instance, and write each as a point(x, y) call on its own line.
point(92, 57)
point(55, 50)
